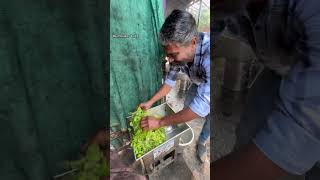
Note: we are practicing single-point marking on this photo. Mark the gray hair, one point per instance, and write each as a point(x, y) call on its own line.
point(179, 27)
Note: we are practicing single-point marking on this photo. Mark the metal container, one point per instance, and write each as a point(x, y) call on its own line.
point(236, 75)
point(184, 81)
point(165, 153)
point(239, 57)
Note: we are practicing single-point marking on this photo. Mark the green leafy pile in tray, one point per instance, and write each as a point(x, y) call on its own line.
point(144, 141)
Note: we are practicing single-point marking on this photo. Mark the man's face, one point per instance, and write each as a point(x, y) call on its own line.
point(180, 54)
point(223, 8)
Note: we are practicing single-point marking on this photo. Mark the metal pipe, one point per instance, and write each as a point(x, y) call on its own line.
point(199, 13)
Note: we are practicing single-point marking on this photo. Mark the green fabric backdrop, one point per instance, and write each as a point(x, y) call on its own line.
point(135, 61)
point(52, 93)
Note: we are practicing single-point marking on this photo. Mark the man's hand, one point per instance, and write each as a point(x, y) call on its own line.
point(145, 105)
point(149, 123)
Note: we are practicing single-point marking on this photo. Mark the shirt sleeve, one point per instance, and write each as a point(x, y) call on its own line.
point(291, 138)
point(201, 102)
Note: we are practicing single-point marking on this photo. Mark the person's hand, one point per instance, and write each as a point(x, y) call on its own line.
point(145, 105)
point(149, 123)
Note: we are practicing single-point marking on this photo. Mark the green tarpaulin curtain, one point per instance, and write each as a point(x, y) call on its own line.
point(52, 94)
point(135, 56)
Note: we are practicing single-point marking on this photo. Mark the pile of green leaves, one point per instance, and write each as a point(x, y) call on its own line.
point(144, 141)
point(92, 166)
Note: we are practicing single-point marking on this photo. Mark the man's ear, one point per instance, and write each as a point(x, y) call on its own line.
point(194, 41)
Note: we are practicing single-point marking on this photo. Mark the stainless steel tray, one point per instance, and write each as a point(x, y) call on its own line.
point(172, 132)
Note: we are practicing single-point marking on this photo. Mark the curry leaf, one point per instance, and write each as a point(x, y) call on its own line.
point(144, 141)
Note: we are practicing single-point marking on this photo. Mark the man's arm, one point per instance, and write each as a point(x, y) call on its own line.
point(149, 122)
point(163, 91)
point(291, 137)
point(248, 163)
point(180, 117)
point(290, 140)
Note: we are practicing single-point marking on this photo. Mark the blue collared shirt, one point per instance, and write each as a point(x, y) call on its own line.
point(199, 73)
point(286, 38)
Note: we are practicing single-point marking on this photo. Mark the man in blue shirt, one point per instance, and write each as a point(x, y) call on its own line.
point(279, 132)
point(189, 52)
